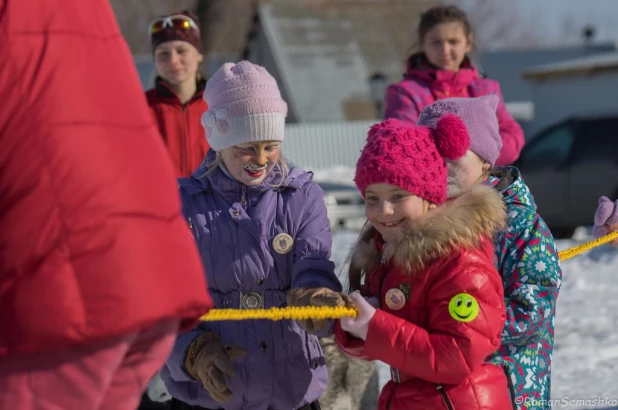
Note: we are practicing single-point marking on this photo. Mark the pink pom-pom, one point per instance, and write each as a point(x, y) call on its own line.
point(452, 138)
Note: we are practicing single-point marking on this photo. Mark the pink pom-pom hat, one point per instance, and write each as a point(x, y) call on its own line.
point(412, 157)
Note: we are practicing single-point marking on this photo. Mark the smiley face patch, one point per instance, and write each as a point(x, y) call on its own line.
point(463, 307)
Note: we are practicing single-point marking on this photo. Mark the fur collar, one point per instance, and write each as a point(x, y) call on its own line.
point(462, 222)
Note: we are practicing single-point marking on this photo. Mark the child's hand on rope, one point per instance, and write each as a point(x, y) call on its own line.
point(209, 361)
point(606, 218)
point(317, 297)
point(359, 326)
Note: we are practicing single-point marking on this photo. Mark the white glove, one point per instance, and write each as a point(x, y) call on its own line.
point(359, 326)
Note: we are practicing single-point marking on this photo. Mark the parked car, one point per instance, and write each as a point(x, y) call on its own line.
point(343, 203)
point(568, 166)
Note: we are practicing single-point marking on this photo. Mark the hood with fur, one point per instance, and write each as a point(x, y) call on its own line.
point(462, 222)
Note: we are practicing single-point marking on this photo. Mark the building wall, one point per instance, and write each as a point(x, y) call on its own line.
point(559, 97)
point(327, 50)
point(318, 146)
point(260, 52)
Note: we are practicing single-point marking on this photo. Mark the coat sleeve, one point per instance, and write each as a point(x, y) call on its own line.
point(398, 103)
point(447, 350)
point(511, 133)
point(532, 276)
point(312, 251)
point(312, 266)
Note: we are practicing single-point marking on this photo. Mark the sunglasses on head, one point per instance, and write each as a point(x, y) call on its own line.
point(176, 21)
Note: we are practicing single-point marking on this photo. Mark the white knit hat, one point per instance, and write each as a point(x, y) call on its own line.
point(244, 105)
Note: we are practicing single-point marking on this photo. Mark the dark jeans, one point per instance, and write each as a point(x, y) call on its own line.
point(178, 405)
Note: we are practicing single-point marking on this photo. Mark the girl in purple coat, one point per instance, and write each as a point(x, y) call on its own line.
point(265, 240)
point(442, 69)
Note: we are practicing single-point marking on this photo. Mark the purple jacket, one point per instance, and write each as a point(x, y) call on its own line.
point(234, 226)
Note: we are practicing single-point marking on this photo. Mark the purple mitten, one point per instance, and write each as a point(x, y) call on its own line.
point(606, 215)
point(359, 326)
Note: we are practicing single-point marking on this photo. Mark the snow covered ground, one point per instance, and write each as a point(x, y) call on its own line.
point(586, 342)
point(585, 362)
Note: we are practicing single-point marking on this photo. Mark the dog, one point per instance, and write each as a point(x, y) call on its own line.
point(353, 384)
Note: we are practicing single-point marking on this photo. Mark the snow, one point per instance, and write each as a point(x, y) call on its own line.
point(336, 174)
point(585, 361)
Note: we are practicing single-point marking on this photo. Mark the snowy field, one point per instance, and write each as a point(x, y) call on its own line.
point(585, 361)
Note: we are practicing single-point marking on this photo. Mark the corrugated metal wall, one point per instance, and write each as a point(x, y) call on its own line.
point(315, 146)
point(326, 52)
point(561, 97)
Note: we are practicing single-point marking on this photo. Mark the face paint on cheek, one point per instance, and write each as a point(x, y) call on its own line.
point(251, 167)
point(456, 178)
point(255, 171)
point(253, 174)
point(455, 174)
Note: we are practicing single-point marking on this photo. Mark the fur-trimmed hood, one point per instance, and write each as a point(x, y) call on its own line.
point(462, 222)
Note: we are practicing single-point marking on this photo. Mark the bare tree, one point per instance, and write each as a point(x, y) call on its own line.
point(227, 26)
point(569, 32)
point(226, 23)
point(499, 23)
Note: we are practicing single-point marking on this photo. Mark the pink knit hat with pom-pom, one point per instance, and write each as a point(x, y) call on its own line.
point(412, 157)
point(479, 115)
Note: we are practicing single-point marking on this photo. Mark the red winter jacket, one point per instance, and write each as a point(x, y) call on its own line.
point(437, 352)
point(424, 84)
point(180, 125)
point(92, 240)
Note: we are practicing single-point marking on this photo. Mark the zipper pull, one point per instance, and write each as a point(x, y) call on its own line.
point(243, 196)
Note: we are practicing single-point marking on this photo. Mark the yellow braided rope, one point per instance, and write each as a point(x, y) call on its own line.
point(569, 253)
point(312, 312)
point(290, 312)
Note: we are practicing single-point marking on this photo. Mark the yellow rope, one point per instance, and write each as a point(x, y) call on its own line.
point(290, 312)
point(569, 253)
point(312, 312)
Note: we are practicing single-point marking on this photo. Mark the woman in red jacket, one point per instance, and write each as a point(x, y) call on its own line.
point(176, 100)
point(443, 69)
point(428, 268)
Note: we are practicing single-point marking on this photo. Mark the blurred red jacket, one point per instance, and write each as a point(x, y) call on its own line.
point(92, 240)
